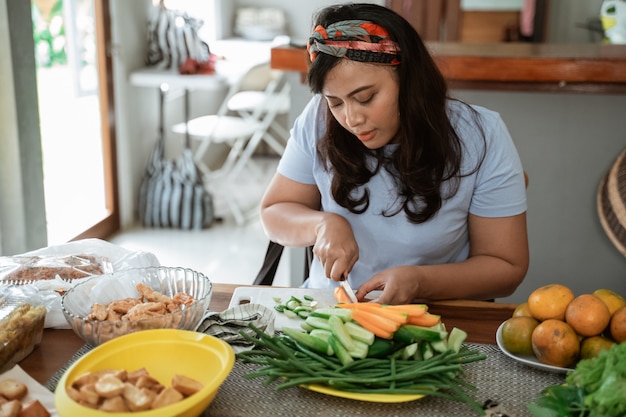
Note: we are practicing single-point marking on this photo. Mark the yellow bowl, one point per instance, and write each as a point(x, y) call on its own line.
point(164, 353)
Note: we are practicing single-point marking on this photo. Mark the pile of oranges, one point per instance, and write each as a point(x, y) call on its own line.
point(560, 328)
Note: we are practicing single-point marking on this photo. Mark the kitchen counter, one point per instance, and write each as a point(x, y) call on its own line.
point(577, 68)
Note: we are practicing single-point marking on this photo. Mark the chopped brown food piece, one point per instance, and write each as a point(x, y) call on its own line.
point(167, 397)
point(134, 376)
point(136, 398)
point(13, 390)
point(185, 385)
point(114, 404)
point(109, 386)
point(88, 395)
point(34, 408)
point(137, 390)
point(10, 408)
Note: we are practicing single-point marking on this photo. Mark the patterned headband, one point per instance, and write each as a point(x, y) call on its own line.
point(357, 40)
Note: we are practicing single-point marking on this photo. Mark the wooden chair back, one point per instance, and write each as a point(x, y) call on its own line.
point(434, 20)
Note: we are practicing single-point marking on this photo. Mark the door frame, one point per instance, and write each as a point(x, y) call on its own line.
point(111, 223)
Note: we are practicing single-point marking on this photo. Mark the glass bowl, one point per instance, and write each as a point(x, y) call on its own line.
point(77, 302)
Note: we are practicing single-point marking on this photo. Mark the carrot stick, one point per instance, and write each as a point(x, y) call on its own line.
point(341, 296)
point(410, 309)
point(382, 333)
point(426, 320)
point(356, 305)
point(363, 316)
point(395, 316)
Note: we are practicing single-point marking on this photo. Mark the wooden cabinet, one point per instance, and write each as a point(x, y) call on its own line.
point(579, 68)
point(489, 26)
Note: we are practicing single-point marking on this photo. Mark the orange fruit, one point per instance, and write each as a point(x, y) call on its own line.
point(550, 302)
point(588, 315)
point(517, 333)
point(522, 310)
point(555, 343)
point(617, 327)
point(590, 347)
point(613, 300)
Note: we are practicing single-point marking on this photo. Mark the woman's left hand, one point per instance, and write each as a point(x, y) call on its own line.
point(399, 285)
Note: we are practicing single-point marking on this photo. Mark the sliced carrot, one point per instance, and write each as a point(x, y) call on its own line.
point(426, 320)
point(356, 305)
point(382, 333)
point(363, 316)
point(396, 316)
point(410, 309)
point(341, 296)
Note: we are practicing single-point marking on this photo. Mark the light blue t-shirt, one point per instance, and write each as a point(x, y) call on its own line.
point(495, 190)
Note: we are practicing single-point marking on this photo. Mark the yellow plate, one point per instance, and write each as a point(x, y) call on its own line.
point(375, 398)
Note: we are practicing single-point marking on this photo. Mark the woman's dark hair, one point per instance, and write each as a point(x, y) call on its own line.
point(430, 150)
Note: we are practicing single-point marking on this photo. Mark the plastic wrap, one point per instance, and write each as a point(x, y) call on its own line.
point(25, 269)
point(49, 272)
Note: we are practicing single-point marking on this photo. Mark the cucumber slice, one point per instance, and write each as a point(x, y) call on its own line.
point(340, 351)
point(380, 348)
point(359, 333)
point(340, 332)
point(317, 322)
point(343, 313)
point(439, 346)
point(456, 339)
point(409, 333)
point(323, 334)
point(409, 351)
point(305, 339)
point(360, 350)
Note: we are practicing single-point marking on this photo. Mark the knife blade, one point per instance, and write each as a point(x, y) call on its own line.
point(346, 287)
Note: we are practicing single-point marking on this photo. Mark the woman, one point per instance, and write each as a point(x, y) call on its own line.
point(397, 186)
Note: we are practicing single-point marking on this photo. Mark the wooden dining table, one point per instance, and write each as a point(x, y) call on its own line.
point(479, 319)
point(497, 379)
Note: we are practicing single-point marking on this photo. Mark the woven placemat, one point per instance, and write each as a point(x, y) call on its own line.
point(498, 378)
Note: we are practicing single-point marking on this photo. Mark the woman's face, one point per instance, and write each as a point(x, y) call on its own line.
point(364, 100)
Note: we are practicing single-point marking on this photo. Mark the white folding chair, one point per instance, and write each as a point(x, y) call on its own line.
point(242, 132)
point(246, 102)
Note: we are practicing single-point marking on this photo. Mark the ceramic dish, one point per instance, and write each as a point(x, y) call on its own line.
point(377, 398)
point(525, 359)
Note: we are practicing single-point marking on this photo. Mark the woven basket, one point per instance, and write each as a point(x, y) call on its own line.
point(612, 203)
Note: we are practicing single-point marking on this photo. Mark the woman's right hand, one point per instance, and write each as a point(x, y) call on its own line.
point(335, 246)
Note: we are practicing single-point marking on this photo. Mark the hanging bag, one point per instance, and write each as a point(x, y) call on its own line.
point(172, 193)
point(173, 38)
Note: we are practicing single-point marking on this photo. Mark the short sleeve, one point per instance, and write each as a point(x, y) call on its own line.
point(500, 189)
point(298, 160)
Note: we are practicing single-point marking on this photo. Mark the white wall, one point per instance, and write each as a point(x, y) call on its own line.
point(22, 212)
point(566, 142)
point(299, 13)
point(565, 18)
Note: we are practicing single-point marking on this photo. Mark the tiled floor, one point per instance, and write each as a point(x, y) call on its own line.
point(225, 252)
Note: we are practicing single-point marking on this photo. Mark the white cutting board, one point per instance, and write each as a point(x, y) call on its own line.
point(265, 297)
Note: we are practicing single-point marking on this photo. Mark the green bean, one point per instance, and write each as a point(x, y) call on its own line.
point(290, 364)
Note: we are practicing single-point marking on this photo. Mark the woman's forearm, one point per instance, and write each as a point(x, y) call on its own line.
point(291, 224)
point(479, 277)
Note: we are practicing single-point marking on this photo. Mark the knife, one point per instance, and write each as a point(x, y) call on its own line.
point(346, 287)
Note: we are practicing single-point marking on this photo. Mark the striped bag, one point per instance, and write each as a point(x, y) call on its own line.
point(172, 193)
point(172, 37)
